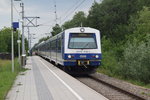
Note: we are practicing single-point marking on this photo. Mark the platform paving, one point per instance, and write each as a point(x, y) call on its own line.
point(43, 81)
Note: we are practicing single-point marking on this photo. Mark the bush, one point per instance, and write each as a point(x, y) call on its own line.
point(109, 60)
point(136, 63)
point(136, 60)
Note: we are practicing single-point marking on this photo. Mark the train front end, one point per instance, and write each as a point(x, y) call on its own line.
point(82, 49)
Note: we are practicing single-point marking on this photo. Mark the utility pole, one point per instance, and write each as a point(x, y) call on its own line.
point(23, 45)
point(31, 22)
point(29, 39)
point(23, 60)
point(55, 12)
point(12, 37)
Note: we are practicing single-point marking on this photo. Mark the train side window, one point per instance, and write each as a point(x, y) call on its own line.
point(55, 45)
point(59, 44)
point(52, 45)
point(49, 45)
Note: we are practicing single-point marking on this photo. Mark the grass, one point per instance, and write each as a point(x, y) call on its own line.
point(135, 82)
point(138, 83)
point(7, 77)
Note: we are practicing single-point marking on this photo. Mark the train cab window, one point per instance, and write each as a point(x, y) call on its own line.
point(82, 41)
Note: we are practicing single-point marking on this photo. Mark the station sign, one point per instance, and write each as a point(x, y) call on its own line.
point(15, 25)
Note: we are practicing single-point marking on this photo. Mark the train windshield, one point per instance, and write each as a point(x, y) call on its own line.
point(82, 41)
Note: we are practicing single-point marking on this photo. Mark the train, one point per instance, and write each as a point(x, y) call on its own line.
point(75, 50)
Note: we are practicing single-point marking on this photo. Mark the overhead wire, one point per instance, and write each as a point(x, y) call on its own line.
point(68, 11)
point(73, 10)
point(54, 1)
point(44, 24)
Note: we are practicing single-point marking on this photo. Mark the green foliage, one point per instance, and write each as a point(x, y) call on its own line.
point(109, 61)
point(93, 19)
point(43, 39)
point(135, 64)
point(5, 40)
point(112, 17)
point(56, 29)
point(7, 77)
point(129, 58)
point(77, 20)
point(143, 24)
point(26, 45)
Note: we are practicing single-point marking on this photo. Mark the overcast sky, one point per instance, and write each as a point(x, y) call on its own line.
point(45, 10)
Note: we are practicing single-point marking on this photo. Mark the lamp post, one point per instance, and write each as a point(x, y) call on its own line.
point(12, 37)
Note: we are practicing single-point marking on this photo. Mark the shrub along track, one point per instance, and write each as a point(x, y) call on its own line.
point(114, 89)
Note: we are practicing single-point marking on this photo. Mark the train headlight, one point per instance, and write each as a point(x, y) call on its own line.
point(97, 56)
point(69, 56)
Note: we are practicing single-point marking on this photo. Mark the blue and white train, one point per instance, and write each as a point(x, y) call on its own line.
point(75, 50)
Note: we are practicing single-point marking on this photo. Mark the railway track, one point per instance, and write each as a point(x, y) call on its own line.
point(110, 91)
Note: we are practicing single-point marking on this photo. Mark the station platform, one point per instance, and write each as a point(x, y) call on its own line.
point(44, 81)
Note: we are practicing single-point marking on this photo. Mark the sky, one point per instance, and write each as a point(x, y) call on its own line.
point(45, 10)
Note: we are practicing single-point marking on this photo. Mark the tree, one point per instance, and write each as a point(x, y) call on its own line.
point(143, 24)
point(111, 17)
point(56, 29)
point(5, 41)
point(43, 39)
point(78, 19)
point(135, 64)
point(94, 16)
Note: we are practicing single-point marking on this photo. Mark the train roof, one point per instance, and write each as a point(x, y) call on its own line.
point(79, 29)
point(76, 29)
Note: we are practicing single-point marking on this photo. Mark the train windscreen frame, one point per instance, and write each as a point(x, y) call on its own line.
point(82, 41)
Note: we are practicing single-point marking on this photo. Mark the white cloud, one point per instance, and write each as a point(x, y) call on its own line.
point(4, 7)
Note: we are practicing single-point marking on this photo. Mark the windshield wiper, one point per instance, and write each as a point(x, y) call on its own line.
point(86, 45)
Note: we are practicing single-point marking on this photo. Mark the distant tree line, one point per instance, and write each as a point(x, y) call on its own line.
point(5, 41)
point(125, 31)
